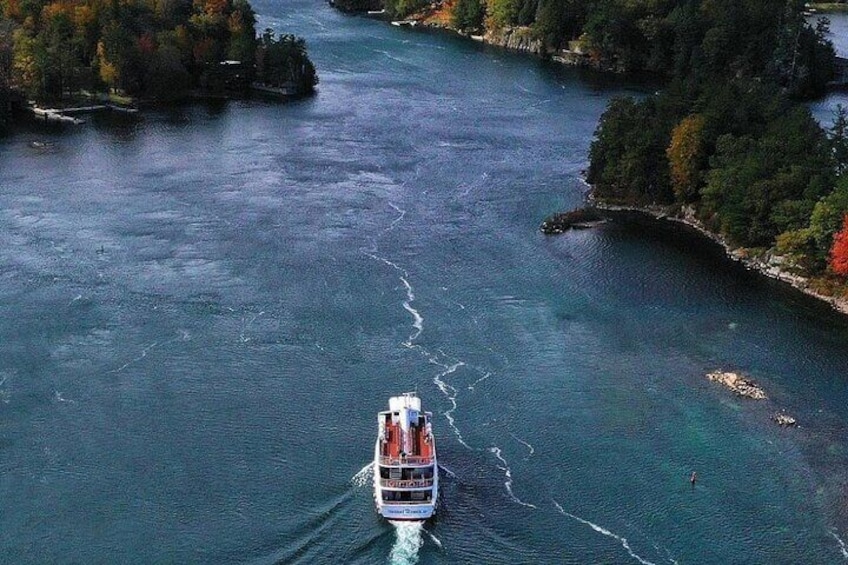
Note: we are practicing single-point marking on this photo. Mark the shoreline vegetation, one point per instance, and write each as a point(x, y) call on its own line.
point(60, 56)
point(727, 147)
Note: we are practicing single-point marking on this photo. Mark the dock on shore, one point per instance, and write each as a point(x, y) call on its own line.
point(67, 115)
point(54, 115)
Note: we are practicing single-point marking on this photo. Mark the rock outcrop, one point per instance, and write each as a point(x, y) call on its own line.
point(738, 384)
point(784, 419)
point(515, 38)
point(576, 219)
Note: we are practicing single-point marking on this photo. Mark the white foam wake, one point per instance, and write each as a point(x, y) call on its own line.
point(531, 449)
point(508, 474)
point(449, 392)
point(397, 220)
point(436, 540)
point(606, 532)
point(417, 320)
point(408, 540)
point(137, 359)
point(450, 473)
point(478, 381)
point(363, 476)
point(842, 547)
point(60, 398)
point(184, 336)
point(245, 326)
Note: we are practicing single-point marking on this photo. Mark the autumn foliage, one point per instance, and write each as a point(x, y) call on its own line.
point(839, 251)
point(686, 156)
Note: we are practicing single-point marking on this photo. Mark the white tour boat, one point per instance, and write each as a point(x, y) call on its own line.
point(406, 474)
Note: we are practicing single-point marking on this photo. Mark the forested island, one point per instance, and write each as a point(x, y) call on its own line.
point(727, 145)
point(65, 51)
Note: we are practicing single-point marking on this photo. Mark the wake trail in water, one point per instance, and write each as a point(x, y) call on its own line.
point(436, 540)
point(527, 445)
point(842, 547)
point(450, 473)
point(508, 474)
point(417, 319)
point(397, 220)
point(245, 325)
point(363, 476)
point(450, 393)
point(606, 532)
point(478, 381)
point(448, 366)
point(184, 336)
point(408, 540)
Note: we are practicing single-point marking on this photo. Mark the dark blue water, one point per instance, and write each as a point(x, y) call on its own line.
point(825, 109)
point(203, 311)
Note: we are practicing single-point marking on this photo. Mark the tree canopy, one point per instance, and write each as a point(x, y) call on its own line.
point(728, 137)
point(51, 49)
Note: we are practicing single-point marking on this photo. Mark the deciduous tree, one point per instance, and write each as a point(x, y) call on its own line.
point(686, 157)
point(839, 251)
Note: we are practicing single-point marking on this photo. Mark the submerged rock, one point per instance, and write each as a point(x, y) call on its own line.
point(581, 218)
point(738, 384)
point(784, 419)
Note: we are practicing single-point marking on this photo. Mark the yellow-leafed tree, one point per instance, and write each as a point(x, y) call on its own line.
point(686, 157)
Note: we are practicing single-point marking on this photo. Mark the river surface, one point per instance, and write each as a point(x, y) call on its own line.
point(825, 109)
point(201, 313)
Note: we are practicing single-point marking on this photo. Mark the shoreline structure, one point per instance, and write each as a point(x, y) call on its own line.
point(770, 266)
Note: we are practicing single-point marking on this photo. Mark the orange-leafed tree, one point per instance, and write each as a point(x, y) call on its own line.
point(839, 251)
point(686, 157)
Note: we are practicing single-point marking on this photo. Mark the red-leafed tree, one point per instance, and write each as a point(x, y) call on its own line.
point(839, 251)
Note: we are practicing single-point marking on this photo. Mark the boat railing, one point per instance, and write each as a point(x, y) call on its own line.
point(407, 502)
point(410, 483)
point(406, 460)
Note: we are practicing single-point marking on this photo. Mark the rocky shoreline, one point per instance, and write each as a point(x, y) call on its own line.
point(769, 265)
point(520, 39)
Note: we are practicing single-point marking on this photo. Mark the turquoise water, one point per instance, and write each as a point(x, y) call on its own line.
point(203, 311)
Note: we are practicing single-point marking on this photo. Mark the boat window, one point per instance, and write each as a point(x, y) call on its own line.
point(407, 496)
point(418, 473)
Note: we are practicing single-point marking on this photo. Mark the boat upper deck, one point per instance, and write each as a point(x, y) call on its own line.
point(411, 446)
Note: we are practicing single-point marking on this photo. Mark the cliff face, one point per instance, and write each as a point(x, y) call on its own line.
point(517, 39)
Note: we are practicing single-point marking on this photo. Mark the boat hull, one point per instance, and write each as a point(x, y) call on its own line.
point(406, 472)
point(407, 512)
